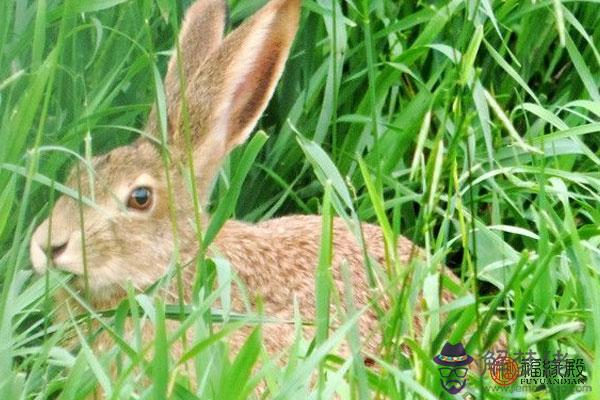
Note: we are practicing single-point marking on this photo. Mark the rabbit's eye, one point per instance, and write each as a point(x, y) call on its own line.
point(140, 199)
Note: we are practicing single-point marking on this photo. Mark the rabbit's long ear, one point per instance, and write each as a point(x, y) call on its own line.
point(201, 34)
point(232, 88)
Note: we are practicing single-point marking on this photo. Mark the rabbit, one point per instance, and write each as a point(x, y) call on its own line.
point(129, 236)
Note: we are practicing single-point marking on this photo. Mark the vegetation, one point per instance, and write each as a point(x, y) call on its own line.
point(468, 126)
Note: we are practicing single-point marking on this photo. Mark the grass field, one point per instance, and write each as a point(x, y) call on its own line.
point(470, 127)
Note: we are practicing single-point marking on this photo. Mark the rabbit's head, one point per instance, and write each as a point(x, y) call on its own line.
point(119, 225)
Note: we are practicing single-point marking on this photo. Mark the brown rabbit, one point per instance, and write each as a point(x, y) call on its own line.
point(129, 236)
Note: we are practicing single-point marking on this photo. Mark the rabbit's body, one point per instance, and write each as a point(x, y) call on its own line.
point(141, 210)
point(277, 259)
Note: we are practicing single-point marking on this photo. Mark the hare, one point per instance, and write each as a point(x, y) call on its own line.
point(129, 236)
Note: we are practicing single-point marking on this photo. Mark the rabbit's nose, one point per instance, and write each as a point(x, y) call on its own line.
point(54, 251)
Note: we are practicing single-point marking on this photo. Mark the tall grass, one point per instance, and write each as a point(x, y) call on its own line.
point(468, 126)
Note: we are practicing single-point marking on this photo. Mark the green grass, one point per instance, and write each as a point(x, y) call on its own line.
point(470, 127)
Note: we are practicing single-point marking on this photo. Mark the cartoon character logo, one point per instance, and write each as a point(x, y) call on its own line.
point(453, 362)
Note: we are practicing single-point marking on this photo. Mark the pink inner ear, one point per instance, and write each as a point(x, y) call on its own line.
point(254, 90)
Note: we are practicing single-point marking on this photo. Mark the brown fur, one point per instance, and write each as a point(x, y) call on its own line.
point(228, 83)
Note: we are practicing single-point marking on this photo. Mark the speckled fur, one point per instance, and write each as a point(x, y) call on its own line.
point(228, 85)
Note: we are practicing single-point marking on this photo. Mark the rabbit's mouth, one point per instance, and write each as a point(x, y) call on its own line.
point(67, 261)
point(41, 263)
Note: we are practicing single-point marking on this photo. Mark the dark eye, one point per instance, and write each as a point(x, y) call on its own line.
point(140, 199)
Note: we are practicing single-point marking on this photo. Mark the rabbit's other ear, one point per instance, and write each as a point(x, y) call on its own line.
point(201, 34)
point(232, 88)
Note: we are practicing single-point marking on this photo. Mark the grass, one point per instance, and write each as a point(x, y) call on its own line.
point(468, 126)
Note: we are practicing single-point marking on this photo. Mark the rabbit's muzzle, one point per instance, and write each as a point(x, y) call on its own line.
point(60, 251)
